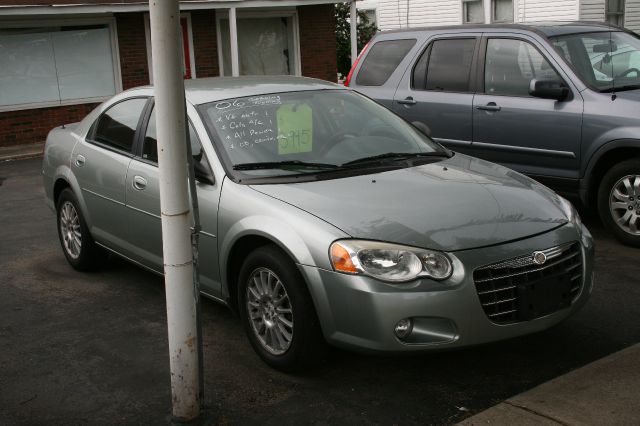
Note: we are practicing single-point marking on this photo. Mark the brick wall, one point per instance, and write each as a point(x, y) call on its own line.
point(133, 49)
point(205, 46)
point(318, 41)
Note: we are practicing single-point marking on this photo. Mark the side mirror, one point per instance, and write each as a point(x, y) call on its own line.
point(548, 89)
point(422, 127)
point(202, 173)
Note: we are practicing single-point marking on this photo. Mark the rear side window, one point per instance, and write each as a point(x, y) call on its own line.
point(445, 66)
point(383, 58)
point(117, 126)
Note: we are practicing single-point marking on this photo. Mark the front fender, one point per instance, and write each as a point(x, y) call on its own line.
point(244, 211)
point(598, 150)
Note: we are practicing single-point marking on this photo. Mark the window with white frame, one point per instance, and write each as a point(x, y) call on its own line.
point(501, 10)
point(55, 63)
point(473, 11)
point(267, 44)
point(615, 12)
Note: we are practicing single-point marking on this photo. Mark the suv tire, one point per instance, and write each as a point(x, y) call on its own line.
point(619, 201)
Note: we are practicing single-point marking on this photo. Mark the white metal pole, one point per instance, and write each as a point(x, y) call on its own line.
point(233, 36)
point(174, 205)
point(353, 15)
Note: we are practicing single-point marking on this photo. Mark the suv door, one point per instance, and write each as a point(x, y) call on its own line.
point(100, 164)
point(143, 208)
point(438, 89)
point(539, 137)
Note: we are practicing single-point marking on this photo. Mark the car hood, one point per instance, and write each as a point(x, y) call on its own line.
point(455, 204)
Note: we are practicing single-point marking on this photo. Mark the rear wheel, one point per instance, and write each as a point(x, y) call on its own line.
point(277, 311)
point(619, 201)
point(77, 244)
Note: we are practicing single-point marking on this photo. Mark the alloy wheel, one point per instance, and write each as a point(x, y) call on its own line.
point(624, 204)
point(269, 310)
point(70, 229)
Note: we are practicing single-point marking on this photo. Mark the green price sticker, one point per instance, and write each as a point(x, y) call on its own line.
point(295, 129)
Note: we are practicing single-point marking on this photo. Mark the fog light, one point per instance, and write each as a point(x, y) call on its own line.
point(403, 328)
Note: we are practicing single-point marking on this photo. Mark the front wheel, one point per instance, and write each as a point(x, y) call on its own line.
point(277, 311)
point(619, 201)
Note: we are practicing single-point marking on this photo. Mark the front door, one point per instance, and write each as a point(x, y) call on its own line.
point(439, 90)
point(143, 210)
point(539, 137)
point(100, 164)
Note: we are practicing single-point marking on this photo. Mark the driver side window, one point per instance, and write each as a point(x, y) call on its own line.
point(150, 145)
point(510, 66)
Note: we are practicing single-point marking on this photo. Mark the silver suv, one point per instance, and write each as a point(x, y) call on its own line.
point(558, 102)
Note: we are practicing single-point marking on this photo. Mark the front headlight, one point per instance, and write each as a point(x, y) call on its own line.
point(570, 212)
point(388, 262)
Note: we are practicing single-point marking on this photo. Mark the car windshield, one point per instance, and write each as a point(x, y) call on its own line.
point(308, 132)
point(605, 61)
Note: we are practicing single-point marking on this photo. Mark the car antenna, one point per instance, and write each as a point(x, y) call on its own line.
point(613, 75)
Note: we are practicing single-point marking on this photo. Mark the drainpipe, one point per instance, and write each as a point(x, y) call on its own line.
point(174, 205)
point(233, 37)
point(353, 14)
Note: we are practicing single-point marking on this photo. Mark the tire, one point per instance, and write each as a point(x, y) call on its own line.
point(286, 334)
point(78, 246)
point(619, 201)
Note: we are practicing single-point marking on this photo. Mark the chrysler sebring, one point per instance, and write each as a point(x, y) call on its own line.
point(325, 218)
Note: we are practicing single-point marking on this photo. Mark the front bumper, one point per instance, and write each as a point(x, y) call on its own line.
point(359, 312)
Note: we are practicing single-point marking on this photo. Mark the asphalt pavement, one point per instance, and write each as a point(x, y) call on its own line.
point(82, 348)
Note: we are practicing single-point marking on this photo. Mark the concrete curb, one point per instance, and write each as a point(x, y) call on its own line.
point(20, 152)
point(606, 391)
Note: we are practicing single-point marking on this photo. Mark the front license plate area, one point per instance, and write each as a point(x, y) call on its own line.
point(543, 297)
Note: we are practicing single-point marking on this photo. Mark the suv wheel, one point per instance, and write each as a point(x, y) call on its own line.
point(619, 201)
point(277, 311)
point(77, 244)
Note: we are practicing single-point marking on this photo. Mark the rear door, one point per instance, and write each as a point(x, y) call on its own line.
point(539, 137)
point(100, 164)
point(438, 89)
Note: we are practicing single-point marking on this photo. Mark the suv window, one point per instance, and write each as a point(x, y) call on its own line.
point(382, 60)
point(150, 145)
point(116, 127)
point(510, 66)
point(445, 66)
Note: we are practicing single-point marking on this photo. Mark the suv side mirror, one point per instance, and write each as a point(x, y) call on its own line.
point(548, 89)
point(202, 172)
point(422, 127)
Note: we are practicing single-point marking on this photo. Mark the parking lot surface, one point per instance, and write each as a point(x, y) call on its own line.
point(91, 348)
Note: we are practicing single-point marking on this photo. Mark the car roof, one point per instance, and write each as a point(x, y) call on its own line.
point(204, 90)
point(546, 29)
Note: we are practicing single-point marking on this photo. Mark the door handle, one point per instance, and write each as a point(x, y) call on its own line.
point(407, 101)
point(139, 183)
point(491, 106)
point(80, 160)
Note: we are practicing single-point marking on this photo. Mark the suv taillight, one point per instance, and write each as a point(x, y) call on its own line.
point(355, 64)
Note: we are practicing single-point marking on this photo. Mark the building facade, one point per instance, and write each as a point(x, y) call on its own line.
point(395, 14)
point(58, 60)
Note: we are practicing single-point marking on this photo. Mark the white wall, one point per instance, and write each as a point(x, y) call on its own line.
point(392, 14)
point(632, 15)
point(548, 10)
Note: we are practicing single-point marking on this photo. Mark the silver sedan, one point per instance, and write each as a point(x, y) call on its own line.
point(325, 218)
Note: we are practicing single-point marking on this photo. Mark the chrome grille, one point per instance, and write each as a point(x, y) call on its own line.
point(505, 287)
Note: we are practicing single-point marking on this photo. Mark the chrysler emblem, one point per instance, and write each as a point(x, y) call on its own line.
point(539, 258)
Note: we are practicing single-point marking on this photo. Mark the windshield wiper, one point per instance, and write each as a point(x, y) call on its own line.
point(621, 88)
point(396, 156)
point(291, 164)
